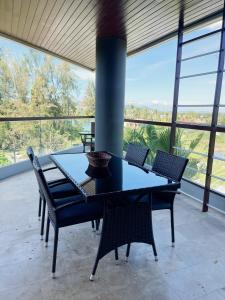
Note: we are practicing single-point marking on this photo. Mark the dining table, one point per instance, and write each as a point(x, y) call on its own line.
point(125, 190)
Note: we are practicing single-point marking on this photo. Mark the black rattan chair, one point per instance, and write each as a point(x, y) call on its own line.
point(65, 211)
point(136, 154)
point(88, 139)
point(30, 154)
point(58, 188)
point(172, 167)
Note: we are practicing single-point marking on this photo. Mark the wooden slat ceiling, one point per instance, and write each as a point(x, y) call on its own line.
point(68, 28)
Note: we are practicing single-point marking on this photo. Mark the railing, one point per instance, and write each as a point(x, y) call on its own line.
point(48, 134)
point(44, 134)
point(196, 170)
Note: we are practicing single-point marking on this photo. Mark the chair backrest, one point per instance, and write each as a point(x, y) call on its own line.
point(171, 166)
point(136, 154)
point(30, 153)
point(44, 189)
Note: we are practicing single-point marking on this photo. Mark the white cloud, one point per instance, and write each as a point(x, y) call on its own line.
point(155, 101)
point(215, 25)
point(143, 102)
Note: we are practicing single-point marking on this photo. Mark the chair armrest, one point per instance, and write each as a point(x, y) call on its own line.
point(68, 204)
point(49, 169)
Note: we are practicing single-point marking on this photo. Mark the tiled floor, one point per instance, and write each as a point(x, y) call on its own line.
point(194, 269)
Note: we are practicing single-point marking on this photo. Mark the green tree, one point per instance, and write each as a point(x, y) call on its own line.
point(36, 85)
point(88, 103)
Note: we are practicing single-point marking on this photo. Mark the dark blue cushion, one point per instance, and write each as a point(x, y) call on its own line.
point(162, 200)
point(60, 180)
point(65, 200)
point(158, 204)
point(63, 190)
point(159, 200)
point(79, 213)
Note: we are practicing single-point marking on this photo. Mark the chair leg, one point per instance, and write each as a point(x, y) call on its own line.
point(39, 208)
point(172, 227)
point(116, 255)
point(43, 219)
point(93, 225)
point(128, 251)
point(55, 252)
point(154, 250)
point(97, 223)
point(47, 232)
point(94, 269)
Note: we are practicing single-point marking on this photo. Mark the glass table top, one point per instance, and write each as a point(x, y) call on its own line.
point(119, 176)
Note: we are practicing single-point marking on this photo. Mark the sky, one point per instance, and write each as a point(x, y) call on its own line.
point(150, 74)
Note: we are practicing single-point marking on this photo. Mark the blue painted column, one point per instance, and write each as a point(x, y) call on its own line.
point(110, 91)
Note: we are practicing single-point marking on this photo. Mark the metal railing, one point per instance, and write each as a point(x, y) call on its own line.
point(45, 134)
point(203, 128)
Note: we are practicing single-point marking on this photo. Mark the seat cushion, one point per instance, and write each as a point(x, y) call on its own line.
point(63, 190)
point(158, 204)
point(60, 180)
point(159, 200)
point(65, 200)
point(162, 200)
point(79, 213)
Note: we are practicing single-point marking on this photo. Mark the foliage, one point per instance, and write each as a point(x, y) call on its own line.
point(37, 85)
point(88, 103)
point(3, 160)
point(159, 139)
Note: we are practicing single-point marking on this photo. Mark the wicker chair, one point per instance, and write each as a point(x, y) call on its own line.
point(88, 139)
point(58, 188)
point(136, 154)
point(65, 211)
point(170, 166)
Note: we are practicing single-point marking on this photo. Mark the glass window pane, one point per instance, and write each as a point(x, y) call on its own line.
point(197, 115)
point(219, 164)
point(219, 145)
point(193, 144)
point(218, 168)
point(203, 29)
point(201, 64)
point(219, 152)
point(218, 185)
point(197, 90)
point(36, 84)
point(44, 136)
point(152, 136)
point(150, 83)
point(222, 97)
point(208, 44)
point(221, 117)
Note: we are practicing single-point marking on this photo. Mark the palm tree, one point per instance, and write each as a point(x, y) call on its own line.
point(159, 139)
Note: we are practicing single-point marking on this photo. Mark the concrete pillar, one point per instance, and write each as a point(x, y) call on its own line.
point(110, 91)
